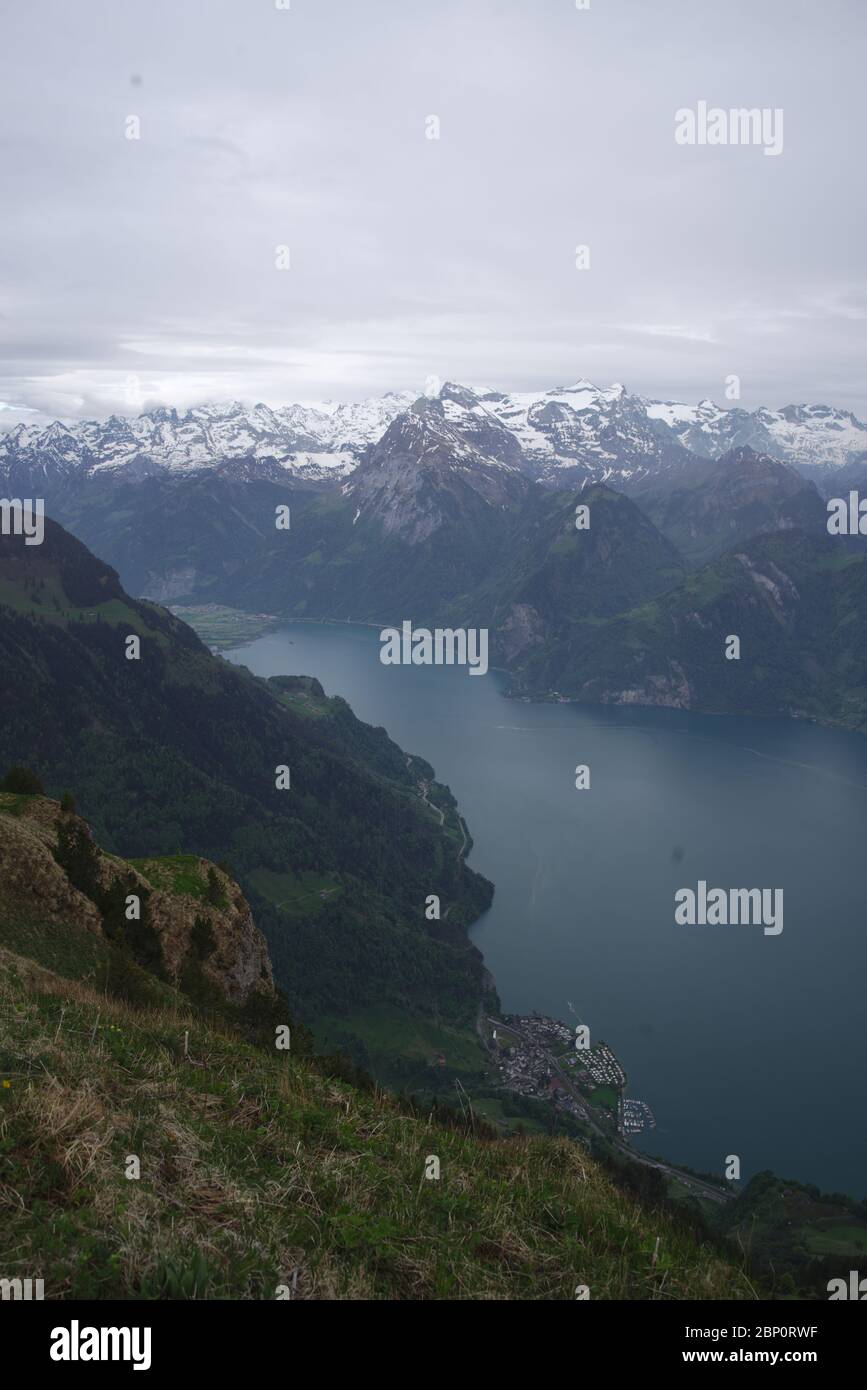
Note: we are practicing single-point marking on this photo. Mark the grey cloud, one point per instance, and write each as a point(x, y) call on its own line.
point(413, 257)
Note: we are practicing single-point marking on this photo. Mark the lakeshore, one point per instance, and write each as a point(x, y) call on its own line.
point(537, 1056)
point(708, 1023)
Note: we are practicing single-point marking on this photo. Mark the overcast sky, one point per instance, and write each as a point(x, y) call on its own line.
point(142, 271)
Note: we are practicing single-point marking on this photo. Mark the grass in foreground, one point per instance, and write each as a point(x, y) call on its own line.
point(259, 1170)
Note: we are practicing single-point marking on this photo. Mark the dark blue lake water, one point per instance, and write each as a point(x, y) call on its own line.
point(742, 1043)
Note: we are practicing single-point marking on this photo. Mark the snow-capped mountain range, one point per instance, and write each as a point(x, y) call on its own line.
point(564, 434)
point(316, 441)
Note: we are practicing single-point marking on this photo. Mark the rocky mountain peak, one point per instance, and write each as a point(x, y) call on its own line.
point(553, 435)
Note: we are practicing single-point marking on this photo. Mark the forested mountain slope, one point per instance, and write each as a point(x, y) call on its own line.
point(177, 749)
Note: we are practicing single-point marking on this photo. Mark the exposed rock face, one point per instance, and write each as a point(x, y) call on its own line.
point(522, 628)
point(238, 963)
point(426, 472)
point(197, 912)
point(173, 584)
point(670, 690)
point(33, 886)
point(775, 586)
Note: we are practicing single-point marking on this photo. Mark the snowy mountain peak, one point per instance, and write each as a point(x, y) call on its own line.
point(560, 435)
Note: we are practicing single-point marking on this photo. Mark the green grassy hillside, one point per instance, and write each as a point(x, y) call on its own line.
point(262, 1170)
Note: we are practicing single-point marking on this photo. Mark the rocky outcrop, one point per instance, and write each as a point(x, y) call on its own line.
point(51, 871)
point(521, 629)
point(171, 585)
point(234, 956)
point(670, 690)
point(775, 587)
point(33, 886)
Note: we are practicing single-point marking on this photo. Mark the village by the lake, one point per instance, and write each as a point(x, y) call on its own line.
point(543, 1058)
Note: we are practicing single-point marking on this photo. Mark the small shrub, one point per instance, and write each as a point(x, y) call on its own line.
point(22, 781)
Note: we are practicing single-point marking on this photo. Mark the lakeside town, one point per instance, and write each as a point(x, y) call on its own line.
point(541, 1057)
